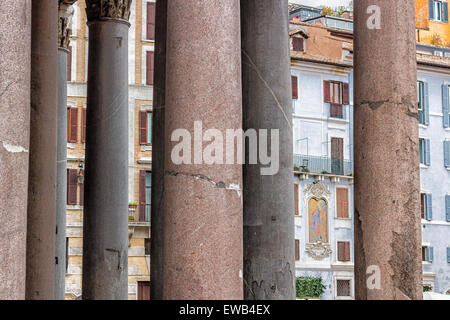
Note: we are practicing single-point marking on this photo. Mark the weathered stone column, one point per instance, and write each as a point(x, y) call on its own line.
point(267, 104)
point(105, 219)
point(203, 250)
point(64, 28)
point(41, 224)
point(387, 215)
point(159, 101)
point(15, 43)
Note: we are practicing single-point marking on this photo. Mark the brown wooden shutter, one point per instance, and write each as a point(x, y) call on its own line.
point(143, 290)
point(150, 21)
point(346, 251)
point(72, 182)
point(150, 67)
point(294, 87)
point(339, 202)
point(81, 194)
point(143, 127)
point(297, 250)
point(337, 148)
point(69, 64)
point(142, 177)
point(296, 199)
point(341, 251)
point(73, 124)
point(297, 44)
point(326, 91)
point(83, 126)
point(345, 94)
point(344, 196)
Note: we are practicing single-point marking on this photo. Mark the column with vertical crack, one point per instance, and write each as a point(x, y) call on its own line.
point(268, 198)
point(202, 244)
point(387, 215)
point(105, 221)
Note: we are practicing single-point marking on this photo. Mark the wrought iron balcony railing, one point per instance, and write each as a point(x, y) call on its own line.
point(323, 165)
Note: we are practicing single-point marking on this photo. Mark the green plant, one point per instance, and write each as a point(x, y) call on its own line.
point(309, 287)
point(132, 204)
point(131, 218)
point(427, 289)
point(296, 168)
point(324, 172)
point(304, 169)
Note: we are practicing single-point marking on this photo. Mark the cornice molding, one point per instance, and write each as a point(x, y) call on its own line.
point(108, 9)
point(65, 14)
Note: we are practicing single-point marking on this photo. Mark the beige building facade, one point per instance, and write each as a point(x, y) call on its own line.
point(141, 48)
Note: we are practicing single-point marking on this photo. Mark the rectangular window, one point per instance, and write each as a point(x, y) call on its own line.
point(67, 254)
point(150, 62)
point(297, 250)
point(298, 44)
point(69, 64)
point(424, 151)
point(343, 288)
point(145, 127)
point(337, 156)
point(336, 92)
point(426, 206)
point(427, 254)
point(150, 21)
point(72, 125)
point(342, 202)
point(147, 246)
point(72, 186)
point(446, 105)
point(420, 95)
point(143, 292)
point(422, 205)
point(294, 81)
point(343, 251)
point(438, 10)
point(148, 195)
point(297, 213)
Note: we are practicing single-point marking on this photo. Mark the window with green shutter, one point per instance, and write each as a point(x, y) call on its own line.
point(448, 255)
point(447, 208)
point(423, 102)
point(447, 154)
point(428, 207)
point(424, 150)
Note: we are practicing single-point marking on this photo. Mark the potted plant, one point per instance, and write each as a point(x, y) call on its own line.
point(309, 288)
point(130, 218)
point(132, 206)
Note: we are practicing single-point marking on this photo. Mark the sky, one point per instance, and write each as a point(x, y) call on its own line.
point(317, 3)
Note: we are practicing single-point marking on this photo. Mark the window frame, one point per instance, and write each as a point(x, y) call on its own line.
point(348, 203)
point(148, 201)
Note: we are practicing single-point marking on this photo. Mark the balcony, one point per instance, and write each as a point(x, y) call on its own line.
point(322, 165)
point(337, 111)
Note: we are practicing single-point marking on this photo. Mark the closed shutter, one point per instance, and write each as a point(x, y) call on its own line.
point(326, 91)
point(83, 126)
point(342, 202)
point(444, 11)
point(427, 152)
point(430, 254)
point(447, 208)
point(297, 44)
point(447, 153)
point(296, 199)
point(150, 21)
point(339, 202)
point(294, 87)
point(429, 207)
point(142, 176)
point(346, 251)
point(72, 182)
point(73, 124)
point(448, 255)
point(150, 67)
point(431, 9)
point(297, 250)
point(143, 127)
point(69, 64)
point(426, 104)
point(143, 290)
point(345, 94)
point(81, 194)
point(445, 105)
point(341, 251)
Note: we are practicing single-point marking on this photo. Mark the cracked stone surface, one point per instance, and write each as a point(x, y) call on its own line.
point(202, 222)
point(387, 190)
point(15, 39)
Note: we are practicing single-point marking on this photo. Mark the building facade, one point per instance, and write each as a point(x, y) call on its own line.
point(141, 48)
point(432, 25)
point(434, 136)
point(321, 73)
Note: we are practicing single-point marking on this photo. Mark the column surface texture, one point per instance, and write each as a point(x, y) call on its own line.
point(64, 30)
point(203, 251)
point(387, 215)
point(267, 104)
point(159, 101)
point(105, 219)
point(15, 43)
point(41, 224)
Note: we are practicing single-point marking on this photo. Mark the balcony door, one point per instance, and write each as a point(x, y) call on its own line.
point(337, 156)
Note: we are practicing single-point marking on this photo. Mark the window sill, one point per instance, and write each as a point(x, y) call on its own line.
point(148, 41)
point(424, 166)
point(146, 147)
point(423, 126)
point(426, 262)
